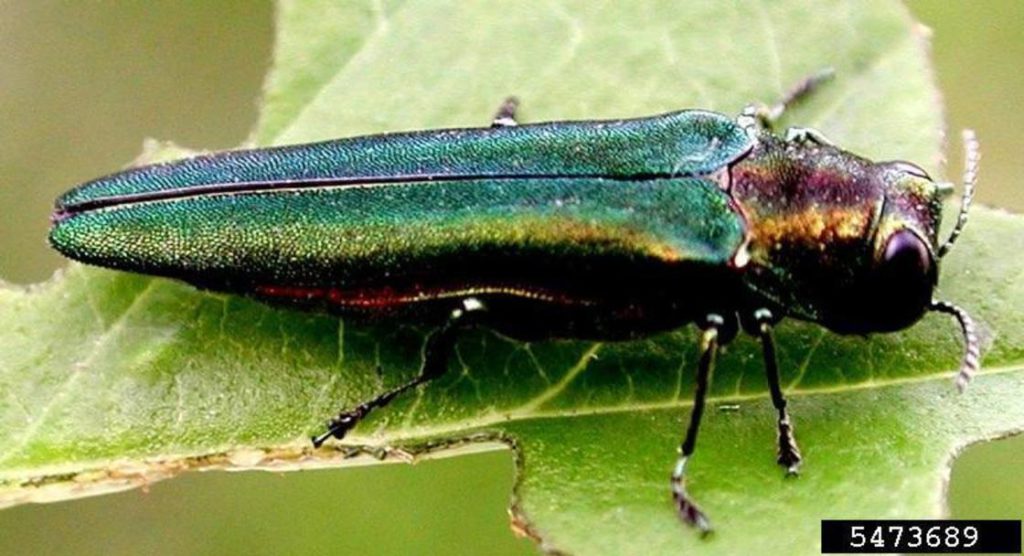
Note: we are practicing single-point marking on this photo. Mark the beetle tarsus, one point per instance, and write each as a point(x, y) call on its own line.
point(436, 353)
point(807, 135)
point(506, 113)
point(687, 508)
point(788, 453)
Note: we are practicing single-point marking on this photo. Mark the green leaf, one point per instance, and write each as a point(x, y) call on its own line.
point(109, 380)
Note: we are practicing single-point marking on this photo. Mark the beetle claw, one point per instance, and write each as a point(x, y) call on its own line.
point(792, 467)
point(791, 461)
point(320, 439)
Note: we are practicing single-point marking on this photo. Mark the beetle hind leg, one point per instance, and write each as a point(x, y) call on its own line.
point(788, 454)
point(436, 353)
point(687, 508)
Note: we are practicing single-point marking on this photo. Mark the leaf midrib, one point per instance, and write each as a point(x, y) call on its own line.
point(298, 449)
point(519, 414)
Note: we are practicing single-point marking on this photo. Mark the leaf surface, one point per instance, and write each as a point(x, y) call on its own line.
point(108, 379)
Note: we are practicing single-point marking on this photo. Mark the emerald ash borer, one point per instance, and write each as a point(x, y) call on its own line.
point(605, 230)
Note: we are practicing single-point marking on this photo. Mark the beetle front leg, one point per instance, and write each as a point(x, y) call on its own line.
point(788, 452)
point(436, 353)
point(506, 114)
point(709, 341)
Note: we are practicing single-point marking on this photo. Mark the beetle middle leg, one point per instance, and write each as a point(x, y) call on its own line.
point(436, 353)
point(765, 116)
point(709, 343)
point(788, 454)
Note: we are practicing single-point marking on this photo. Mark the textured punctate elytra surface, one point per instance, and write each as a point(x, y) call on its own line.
point(686, 143)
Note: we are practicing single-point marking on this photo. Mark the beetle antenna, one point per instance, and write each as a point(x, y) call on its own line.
point(972, 156)
point(972, 353)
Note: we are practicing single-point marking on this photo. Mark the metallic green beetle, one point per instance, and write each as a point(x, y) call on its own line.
point(592, 229)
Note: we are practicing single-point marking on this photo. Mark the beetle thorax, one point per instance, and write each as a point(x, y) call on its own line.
point(811, 212)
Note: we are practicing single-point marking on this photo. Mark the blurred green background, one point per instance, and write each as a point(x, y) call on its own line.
point(82, 84)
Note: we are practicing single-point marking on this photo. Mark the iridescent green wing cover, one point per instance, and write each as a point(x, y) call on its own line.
point(686, 143)
point(563, 236)
point(566, 213)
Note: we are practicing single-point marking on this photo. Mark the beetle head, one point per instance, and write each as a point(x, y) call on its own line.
point(893, 288)
point(904, 266)
point(896, 288)
point(850, 244)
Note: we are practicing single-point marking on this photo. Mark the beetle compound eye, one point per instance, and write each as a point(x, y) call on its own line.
point(902, 282)
point(906, 257)
point(912, 169)
point(896, 292)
